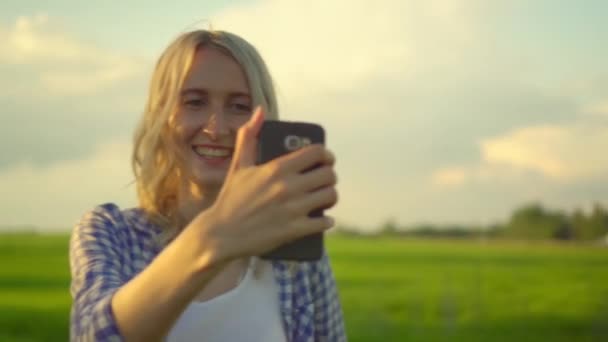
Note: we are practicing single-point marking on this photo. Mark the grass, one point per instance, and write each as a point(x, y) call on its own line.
point(467, 291)
point(34, 288)
point(391, 290)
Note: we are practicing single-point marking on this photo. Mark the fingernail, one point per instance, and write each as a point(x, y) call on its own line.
point(254, 116)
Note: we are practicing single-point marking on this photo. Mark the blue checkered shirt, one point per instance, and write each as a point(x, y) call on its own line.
point(109, 246)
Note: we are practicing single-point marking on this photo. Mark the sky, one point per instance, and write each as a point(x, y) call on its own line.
point(445, 112)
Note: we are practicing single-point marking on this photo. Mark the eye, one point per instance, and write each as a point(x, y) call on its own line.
point(194, 103)
point(245, 107)
point(240, 108)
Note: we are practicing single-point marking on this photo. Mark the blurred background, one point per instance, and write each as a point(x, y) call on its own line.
point(470, 140)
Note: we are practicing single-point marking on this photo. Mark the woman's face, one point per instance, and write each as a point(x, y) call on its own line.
point(214, 102)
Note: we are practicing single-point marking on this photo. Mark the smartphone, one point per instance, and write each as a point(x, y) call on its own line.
point(277, 138)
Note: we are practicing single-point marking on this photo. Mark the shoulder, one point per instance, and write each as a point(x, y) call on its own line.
point(107, 214)
point(111, 216)
point(107, 225)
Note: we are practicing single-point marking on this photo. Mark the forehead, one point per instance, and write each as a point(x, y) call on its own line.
point(215, 71)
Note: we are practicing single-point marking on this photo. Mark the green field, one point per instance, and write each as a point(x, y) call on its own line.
point(392, 290)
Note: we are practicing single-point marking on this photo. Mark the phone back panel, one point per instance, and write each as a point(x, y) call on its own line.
point(272, 144)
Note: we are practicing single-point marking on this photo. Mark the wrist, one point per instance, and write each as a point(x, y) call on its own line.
point(208, 247)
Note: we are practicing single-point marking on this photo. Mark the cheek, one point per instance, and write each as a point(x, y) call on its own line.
point(179, 147)
point(185, 128)
point(237, 121)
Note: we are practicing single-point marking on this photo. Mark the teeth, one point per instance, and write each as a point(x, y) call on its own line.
point(212, 152)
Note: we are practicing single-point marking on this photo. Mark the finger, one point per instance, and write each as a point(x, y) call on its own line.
point(330, 158)
point(315, 179)
point(324, 198)
point(305, 158)
point(246, 141)
point(256, 121)
point(302, 227)
point(305, 226)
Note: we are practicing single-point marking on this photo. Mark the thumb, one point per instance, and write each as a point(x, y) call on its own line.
point(245, 150)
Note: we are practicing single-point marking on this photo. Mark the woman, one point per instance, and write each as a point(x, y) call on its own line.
point(182, 266)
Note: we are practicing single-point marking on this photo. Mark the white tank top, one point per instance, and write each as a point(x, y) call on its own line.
point(249, 312)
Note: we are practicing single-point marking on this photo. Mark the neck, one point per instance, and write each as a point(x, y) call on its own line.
point(192, 200)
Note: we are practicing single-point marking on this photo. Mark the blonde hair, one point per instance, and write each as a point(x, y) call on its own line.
point(154, 162)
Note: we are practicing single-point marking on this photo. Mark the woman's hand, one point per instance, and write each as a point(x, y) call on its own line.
point(263, 206)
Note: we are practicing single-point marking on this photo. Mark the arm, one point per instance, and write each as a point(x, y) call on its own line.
point(329, 321)
point(109, 308)
point(258, 208)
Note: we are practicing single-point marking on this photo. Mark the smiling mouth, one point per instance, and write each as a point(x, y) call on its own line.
point(213, 152)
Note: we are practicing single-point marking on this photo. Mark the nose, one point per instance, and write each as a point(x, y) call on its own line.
point(216, 127)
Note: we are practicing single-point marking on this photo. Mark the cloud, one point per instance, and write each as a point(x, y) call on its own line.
point(70, 94)
point(407, 90)
point(318, 45)
point(56, 195)
point(64, 64)
point(426, 68)
point(449, 177)
point(34, 39)
point(560, 153)
point(598, 109)
point(425, 103)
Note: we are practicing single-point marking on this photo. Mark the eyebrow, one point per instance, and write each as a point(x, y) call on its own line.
point(202, 91)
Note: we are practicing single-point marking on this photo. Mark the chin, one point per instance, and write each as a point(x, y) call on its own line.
point(210, 178)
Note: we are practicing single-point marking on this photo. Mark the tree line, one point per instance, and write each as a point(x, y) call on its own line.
point(529, 222)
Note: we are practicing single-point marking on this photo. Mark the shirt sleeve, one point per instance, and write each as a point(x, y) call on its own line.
point(95, 261)
point(328, 320)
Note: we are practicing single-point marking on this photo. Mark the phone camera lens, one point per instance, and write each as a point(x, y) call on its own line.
point(292, 142)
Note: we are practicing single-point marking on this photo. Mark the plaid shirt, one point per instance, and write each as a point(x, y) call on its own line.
point(110, 246)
